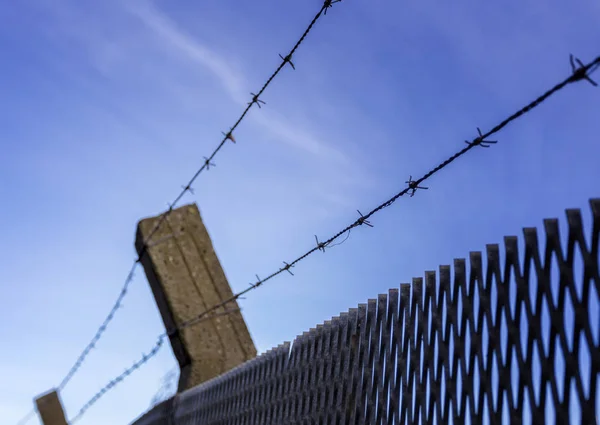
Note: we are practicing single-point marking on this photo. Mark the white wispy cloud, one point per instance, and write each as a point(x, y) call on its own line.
point(170, 33)
point(233, 82)
point(137, 37)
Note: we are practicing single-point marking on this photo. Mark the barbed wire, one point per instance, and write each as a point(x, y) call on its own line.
point(113, 383)
point(100, 330)
point(579, 72)
point(254, 101)
point(208, 162)
point(142, 360)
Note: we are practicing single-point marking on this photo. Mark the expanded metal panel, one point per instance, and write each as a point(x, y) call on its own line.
point(513, 338)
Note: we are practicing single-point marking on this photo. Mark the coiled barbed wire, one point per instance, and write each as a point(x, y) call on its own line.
point(581, 72)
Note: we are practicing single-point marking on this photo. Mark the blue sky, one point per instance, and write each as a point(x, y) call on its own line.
point(108, 108)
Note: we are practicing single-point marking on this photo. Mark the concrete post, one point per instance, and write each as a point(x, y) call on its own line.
point(50, 409)
point(186, 278)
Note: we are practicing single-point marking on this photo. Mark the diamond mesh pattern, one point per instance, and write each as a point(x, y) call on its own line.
point(514, 337)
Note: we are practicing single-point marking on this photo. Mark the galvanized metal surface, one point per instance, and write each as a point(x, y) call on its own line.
point(512, 338)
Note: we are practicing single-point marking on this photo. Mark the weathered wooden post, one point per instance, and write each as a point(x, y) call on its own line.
point(50, 409)
point(186, 278)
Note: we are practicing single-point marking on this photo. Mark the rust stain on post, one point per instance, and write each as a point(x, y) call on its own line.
point(50, 409)
point(186, 278)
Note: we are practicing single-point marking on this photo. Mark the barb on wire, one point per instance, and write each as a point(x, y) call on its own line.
point(229, 135)
point(320, 245)
point(364, 218)
point(256, 100)
point(288, 59)
point(187, 188)
point(256, 284)
point(287, 268)
point(413, 185)
point(329, 4)
point(480, 142)
point(581, 72)
point(208, 163)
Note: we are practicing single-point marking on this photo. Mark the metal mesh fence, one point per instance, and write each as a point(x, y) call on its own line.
point(514, 337)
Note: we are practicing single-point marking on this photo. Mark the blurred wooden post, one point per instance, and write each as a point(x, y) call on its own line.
point(50, 409)
point(186, 278)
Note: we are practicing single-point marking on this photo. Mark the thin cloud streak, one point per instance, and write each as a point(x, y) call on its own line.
point(169, 32)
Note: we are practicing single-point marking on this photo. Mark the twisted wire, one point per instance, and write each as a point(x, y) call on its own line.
point(579, 73)
point(188, 188)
